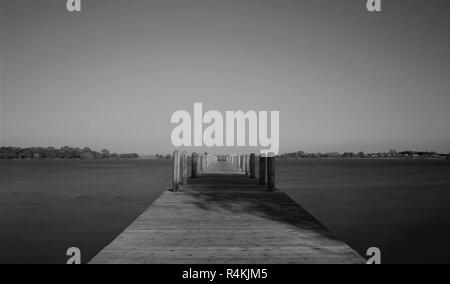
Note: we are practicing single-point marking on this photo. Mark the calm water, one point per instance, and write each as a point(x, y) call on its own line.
point(49, 206)
point(402, 207)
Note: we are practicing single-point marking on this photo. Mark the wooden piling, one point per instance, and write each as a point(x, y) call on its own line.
point(246, 165)
point(202, 165)
point(184, 168)
point(252, 166)
point(271, 173)
point(176, 171)
point(199, 164)
point(194, 165)
point(239, 163)
point(262, 169)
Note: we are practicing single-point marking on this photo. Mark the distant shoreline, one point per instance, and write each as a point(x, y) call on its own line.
point(420, 158)
point(63, 153)
point(391, 155)
point(72, 153)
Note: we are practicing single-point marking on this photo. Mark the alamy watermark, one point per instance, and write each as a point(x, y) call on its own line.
point(74, 255)
point(229, 131)
point(73, 5)
point(372, 5)
point(374, 254)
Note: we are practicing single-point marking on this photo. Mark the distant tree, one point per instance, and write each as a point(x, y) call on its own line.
point(67, 152)
point(129, 156)
point(105, 154)
point(393, 153)
point(50, 153)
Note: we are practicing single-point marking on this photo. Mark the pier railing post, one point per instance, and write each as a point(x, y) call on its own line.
point(202, 165)
point(199, 164)
point(271, 173)
point(252, 166)
point(184, 168)
point(194, 165)
point(262, 169)
point(176, 171)
point(205, 162)
point(246, 164)
point(239, 162)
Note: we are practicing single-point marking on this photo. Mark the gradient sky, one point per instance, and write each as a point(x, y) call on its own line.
point(110, 77)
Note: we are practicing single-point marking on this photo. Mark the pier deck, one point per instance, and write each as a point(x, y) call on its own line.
point(224, 217)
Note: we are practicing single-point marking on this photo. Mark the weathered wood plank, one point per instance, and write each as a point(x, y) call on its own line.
point(227, 219)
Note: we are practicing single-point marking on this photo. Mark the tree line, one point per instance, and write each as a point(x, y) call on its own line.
point(11, 153)
point(361, 155)
point(163, 157)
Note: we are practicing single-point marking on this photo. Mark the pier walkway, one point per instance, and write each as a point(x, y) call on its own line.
point(224, 217)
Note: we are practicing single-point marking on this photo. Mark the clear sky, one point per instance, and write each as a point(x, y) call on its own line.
point(110, 77)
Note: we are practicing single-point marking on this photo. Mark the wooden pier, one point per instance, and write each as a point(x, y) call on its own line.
point(224, 216)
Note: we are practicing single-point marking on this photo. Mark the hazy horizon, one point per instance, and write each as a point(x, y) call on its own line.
point(343, 79)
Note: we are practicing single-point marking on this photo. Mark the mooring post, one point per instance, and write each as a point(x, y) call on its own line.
point(245, 165)
point(198, 159)
point(184, 168)
point(271, 173)
point(176, 171)
point(194, 162)
point(202, 166)
point(205, 162)
point(239, 162)
point(252, 166)
point(262, 169)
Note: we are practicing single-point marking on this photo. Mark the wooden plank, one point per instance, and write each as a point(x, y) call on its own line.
point(230, 219)
point(262, 170)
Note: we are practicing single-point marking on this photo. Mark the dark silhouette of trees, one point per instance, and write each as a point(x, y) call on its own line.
point(392, 154)
point(105, 154)
point(65, 152)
